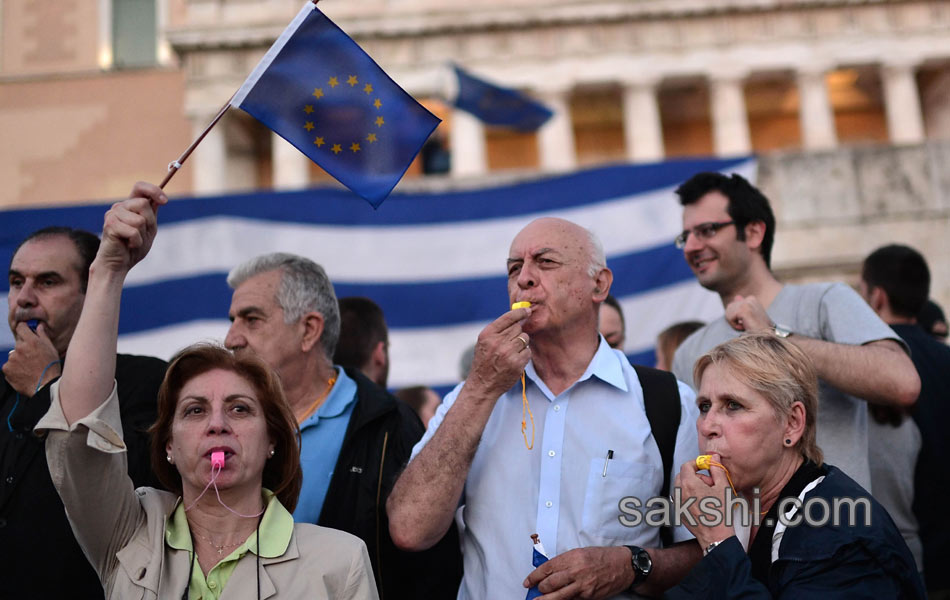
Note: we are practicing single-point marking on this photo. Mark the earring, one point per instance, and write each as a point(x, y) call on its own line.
point(788, 442)
point(271, 455)
point(170, 460)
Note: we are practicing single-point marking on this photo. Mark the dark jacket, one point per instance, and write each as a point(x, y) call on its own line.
point(376, 447)
point(816, 562)
point(38, 553)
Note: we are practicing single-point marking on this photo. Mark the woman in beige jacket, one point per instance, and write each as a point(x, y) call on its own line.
point(225, 442)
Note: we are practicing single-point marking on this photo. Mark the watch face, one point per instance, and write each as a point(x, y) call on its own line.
point(643, 561)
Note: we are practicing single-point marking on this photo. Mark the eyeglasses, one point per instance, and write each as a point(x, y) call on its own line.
point(703, 231)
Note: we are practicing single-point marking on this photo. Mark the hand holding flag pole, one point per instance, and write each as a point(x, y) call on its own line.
point(320, 91)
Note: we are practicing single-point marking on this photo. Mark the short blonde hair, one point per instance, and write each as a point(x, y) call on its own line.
point(779, 371)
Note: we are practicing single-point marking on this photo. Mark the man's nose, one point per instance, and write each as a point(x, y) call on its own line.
point(693, 243)
point(527, 278)
point(234, 339)
point(26, 295)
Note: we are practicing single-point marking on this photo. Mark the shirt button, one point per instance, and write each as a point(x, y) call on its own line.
point(551, 453)
point(557, 407)
point(549, 504)
point(10, 479)
point(212, 584)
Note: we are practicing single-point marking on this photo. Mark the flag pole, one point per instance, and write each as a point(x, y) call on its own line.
point(176, 164)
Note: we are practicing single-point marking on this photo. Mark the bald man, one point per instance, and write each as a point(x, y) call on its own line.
point(586, 445)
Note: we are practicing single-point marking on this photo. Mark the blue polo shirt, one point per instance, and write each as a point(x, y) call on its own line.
point(321, 438)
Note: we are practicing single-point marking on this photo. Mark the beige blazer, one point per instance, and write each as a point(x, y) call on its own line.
point(122, 531)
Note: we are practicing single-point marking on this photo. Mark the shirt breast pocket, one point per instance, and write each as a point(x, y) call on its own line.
point(603, 495)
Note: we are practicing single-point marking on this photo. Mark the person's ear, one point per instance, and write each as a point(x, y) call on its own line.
point(754, 234)
point(378, 356)
point(794, 424)
point(878, 300)
point(313, 324)
point(602, 282)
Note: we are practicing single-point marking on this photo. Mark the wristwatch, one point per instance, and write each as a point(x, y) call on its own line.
point(781, 330)
point(642, 564)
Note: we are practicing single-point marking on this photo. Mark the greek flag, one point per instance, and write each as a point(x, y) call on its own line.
point(434, 261)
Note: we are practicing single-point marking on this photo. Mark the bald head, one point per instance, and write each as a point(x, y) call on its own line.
point(559, 267)
point(573, 235)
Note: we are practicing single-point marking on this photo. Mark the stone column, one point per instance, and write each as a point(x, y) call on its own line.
point(556, 137)
point(467, 141)
point(905, 122)
point(209, 162)
point(815, 113)
point(730, 122)
point(291, 166)
point(642, 128)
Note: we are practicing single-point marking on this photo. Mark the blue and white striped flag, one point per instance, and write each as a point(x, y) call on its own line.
point(435, 262)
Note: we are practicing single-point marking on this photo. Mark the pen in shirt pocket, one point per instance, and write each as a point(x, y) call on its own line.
point(610, 454)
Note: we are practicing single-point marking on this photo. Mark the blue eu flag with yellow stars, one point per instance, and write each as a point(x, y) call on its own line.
point(321, 92)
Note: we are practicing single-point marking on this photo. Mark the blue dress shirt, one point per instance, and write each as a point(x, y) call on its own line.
point(558, 489)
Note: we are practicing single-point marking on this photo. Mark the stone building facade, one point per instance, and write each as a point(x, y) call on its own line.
point(847, 102)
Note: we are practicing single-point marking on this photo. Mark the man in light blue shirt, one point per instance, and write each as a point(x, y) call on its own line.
point(585, 446)
point(355, 437)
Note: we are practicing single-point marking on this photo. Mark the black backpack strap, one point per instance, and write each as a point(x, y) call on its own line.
point(661, 398)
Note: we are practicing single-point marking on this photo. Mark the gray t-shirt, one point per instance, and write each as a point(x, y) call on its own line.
point(893, 452)
point(827, 311)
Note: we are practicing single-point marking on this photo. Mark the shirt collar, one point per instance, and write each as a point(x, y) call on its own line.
point(277, 526)
point(338, 402)
point(606, 365)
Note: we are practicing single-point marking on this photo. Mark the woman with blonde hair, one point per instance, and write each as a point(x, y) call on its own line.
point(814, 531)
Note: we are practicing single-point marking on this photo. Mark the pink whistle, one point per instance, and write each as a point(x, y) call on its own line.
point(217, 459)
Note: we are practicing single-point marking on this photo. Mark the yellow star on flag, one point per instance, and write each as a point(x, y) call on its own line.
point(308, 126)
point(355, 147)
point(309, 108)
point(319, 142)
point(377, 103)
point(352, 80)
point(333, 82)
point(318, 92)
point(368, 88)
point(336, 149)
point(379, 121)
point(371, 138)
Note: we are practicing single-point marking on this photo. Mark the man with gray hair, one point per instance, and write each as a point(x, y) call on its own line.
point(355, 437)
point(549, 434)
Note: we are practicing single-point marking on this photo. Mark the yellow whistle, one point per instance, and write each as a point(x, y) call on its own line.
point(523, 304)
point(703, 460)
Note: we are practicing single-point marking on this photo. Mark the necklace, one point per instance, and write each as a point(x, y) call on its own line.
point(316, 404)
point(220, 549)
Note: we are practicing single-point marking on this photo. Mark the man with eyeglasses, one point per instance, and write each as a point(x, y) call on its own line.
point(728, 231)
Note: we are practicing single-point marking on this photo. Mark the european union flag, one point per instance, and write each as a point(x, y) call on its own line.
point(499, 106)
point(321, 92)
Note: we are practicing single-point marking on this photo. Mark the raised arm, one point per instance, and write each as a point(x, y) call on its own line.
point(423, 501)
point(127, 235)
point(879, 372)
